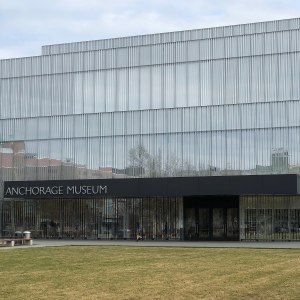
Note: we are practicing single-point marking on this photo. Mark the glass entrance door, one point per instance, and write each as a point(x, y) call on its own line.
point(197, 224)
point(211, 218)
point(225, 223)
point(203, 223)
point(232, 224)
point(218, 224)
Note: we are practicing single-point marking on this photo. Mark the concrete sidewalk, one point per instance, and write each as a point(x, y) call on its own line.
point(182, 244)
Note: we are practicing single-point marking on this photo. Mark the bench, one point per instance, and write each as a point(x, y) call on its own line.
point(11, 241)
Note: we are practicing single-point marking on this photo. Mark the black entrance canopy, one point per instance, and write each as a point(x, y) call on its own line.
point(286, 184)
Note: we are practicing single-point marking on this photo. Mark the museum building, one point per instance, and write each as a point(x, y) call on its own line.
point(190, 135)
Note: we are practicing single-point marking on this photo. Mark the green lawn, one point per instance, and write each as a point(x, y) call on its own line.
point(148, 273)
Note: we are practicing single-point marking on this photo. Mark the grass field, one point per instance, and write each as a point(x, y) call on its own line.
point(148, 273)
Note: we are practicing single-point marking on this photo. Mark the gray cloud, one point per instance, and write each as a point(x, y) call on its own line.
point(27, 25)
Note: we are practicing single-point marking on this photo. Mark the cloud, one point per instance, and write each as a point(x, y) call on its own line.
point(26, 25)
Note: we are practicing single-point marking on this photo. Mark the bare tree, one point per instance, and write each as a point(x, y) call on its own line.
point(138, 161)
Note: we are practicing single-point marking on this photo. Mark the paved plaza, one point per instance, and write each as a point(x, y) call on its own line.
point(183, 244)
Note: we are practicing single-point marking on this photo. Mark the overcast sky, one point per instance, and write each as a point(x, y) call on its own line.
point(26, 25)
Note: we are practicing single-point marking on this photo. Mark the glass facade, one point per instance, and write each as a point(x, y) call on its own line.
point(209, 102)
point(270, 217)
point(222, 101)
point(106, 218)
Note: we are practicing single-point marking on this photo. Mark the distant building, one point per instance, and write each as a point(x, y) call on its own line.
point(279, 163)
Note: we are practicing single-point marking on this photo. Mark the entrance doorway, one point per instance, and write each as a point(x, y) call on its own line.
point(211, 218)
